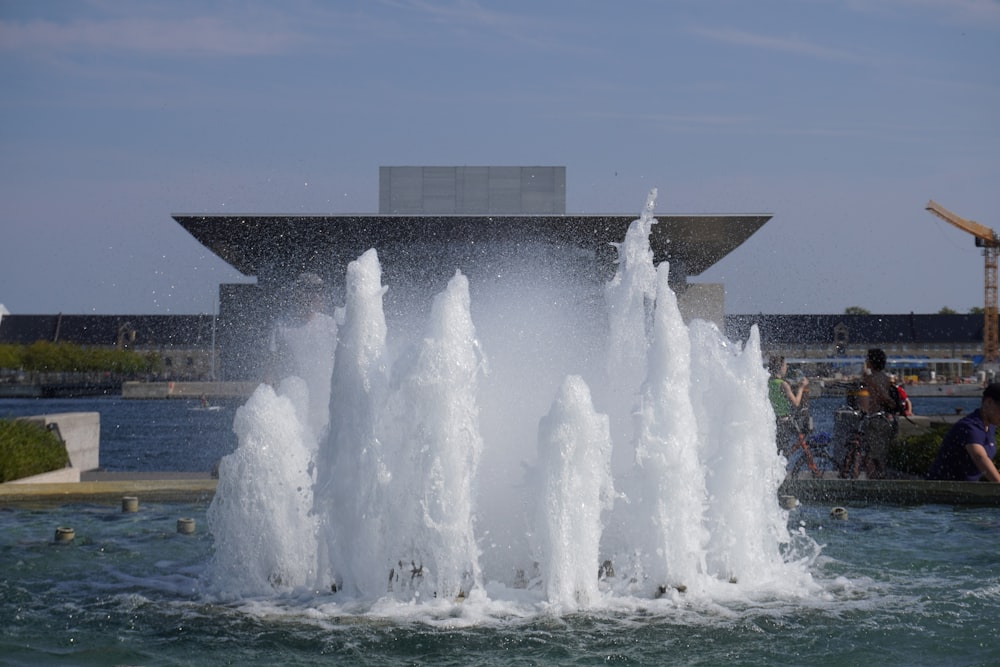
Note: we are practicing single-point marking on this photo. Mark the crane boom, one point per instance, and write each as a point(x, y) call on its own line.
point(981, 232)
point(990, 242)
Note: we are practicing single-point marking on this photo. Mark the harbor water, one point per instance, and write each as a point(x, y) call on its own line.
point(146, 435)
point(175, 435)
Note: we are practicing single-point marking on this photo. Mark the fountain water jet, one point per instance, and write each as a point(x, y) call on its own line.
point(436, 449)
point(352, 472)
point(667, 454)
point(264, 496)
point(574, 444)
point(412, 491)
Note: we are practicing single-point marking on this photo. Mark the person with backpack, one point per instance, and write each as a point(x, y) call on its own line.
point(882, 393)
point(880, 404)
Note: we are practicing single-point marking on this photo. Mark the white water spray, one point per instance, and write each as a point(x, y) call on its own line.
point(398, 507)
point(672, 493)
point(352, 474)
point(574, 447)
point(264, 494)
point(434, 421)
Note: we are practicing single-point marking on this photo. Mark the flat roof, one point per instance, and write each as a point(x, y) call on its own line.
point(255, 243)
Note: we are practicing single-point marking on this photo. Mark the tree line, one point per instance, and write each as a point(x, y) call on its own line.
point(47, 357)
point(858, 310)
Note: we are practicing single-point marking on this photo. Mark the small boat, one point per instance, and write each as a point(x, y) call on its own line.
point(205, 406)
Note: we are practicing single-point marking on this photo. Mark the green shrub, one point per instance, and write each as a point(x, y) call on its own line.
point(46, 357)
point(11, 356)
point(914, 455)
point(28, 448)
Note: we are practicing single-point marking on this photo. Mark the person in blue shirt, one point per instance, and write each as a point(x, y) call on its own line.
point(968, 448)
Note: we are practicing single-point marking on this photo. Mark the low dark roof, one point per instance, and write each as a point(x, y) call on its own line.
point(875, 329)
point(196, 330)
point(258, 244)
point(103, 330)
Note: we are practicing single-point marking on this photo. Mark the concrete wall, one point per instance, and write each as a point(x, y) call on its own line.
point(81, 431)
point(704, 301)
point(187, 390)
point(472, 190)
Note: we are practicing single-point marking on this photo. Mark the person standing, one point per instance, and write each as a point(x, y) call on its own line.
point(788, 405)
point(968, 448)
point(879, 425)
point(878, 384)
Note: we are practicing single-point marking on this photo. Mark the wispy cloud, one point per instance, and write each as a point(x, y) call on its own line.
point(468, 13)
point(791, 45)
point(673, 120)
point(196, 36)
point(469, 18)
point(974, 13)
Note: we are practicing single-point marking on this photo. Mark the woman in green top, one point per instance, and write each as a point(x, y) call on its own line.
point(786, 403)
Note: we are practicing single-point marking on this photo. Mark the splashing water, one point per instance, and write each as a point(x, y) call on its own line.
point(574, 444)
point(420, 485)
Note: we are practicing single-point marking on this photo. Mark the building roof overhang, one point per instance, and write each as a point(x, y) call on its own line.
point(256, 244)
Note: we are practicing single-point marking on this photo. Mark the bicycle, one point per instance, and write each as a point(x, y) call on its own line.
point(799, 426)
point(867, 445)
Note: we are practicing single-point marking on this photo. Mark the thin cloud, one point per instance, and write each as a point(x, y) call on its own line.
point(471, 19)
point(779, 44)
point(973, 13)
point(198, 35)
point(709, 120)
point(466, 13)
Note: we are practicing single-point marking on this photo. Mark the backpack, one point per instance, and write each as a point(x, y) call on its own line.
point(897, 396)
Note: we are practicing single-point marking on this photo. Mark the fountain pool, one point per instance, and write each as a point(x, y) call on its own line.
point(910, 585)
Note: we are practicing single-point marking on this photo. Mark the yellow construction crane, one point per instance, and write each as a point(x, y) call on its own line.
point(988, 240)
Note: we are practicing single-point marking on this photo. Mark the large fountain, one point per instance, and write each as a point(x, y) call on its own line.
point(533, 438)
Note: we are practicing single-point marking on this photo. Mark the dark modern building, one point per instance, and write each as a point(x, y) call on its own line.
point(430, 220)
point(427, 214)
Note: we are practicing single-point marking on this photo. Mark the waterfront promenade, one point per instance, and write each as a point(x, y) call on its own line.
point(108, 488)
point(130, 390)
point(100, 487)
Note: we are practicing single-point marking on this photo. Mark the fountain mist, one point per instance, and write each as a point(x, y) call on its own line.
point(579, 448)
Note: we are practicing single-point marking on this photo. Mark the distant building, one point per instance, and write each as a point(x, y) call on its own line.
point(427, 211)
point(949, 345)
point(472, 191)
point(431, 214)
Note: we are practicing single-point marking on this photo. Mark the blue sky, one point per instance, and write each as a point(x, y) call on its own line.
point(840, 117)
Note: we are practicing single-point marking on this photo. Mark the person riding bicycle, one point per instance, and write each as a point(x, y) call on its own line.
point(789, 410)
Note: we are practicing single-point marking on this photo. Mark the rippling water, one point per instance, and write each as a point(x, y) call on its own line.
point(157, 435)
point(913, 586)
point(900, 585)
